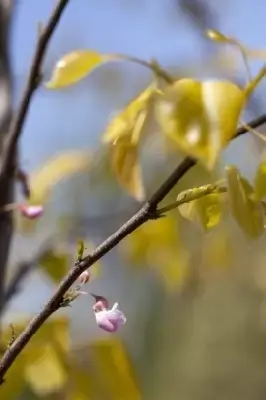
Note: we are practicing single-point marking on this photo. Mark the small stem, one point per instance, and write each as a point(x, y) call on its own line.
point(10, 207)
point(153, 65)
point(251, 130)
point(191, 195)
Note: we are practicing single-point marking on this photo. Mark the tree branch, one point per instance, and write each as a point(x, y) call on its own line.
point(147, 212)
point(34, 78)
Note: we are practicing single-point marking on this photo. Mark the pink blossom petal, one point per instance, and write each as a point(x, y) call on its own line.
point(31, 212)
point(104, 323)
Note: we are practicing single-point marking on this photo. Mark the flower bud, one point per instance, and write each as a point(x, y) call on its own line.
point(31, 212)
point(84, 277)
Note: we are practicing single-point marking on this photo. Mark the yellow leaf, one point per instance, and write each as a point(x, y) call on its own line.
point(247, 212)
point(209, 210)
point(217, 36)
point(217, 250)
point(260, 181)
point(55, 265)
point(255, 82)
point(126, 166)
point(172, 266)
point(130, 122)
point(54, 170)
point(46, 374)
point(14, 380)
point(73, 67)
point(80, 383)
point(114, 369)
point(201, 117)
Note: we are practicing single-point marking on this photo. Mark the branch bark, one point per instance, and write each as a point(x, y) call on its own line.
point(147, 212)
point(6, 184)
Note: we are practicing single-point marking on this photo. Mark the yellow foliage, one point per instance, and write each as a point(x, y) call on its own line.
point(126, 166)
point(46, 373)
point(260, 181)
point(247, 212)
point(54, 170)
point(73, 67)
point(113, 366)
point(201, 117)
point(130, 121)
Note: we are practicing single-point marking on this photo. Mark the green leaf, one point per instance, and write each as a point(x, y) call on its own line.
point(73, 67)
point(131, 121)
point(247, 212)
point(126, 166)
point(80, 249)
point(201, 117)
point(260, 181)
point(55, 264)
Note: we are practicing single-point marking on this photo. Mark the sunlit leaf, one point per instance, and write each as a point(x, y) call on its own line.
point(55, 264)
point(113, 366)
point(217, 36)
point(206, 208)
point(209, 210)
point(201, 117)
point(130, 122)
point(46, 374)
point(247, 212)
point(126, 166)
point(73, 67)
point(260, 181)
point(54, 170)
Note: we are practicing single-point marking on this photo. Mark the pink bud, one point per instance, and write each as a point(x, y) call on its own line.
point(84, 277)
point(109, 320)
point(31, 212)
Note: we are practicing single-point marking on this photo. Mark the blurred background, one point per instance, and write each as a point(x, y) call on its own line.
point(195, 301)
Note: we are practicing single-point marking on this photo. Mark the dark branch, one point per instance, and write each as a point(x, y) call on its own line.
point(34, 78)
point(147, 212)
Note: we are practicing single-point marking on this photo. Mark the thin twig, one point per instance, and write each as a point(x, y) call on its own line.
point(147, 212)
point(35, 75)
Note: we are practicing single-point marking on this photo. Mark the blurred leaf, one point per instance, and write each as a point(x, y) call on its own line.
point(217, 250)
point(161, 234)
point(247, 212)
point(255, 82)
point(46, 374)
point(217, 36)
point(260, 181)
point(73, 67)
point(80, 384)
point(130, 122)
point(126, 166)
point(201, 117)
point(80, 249)
point(55, 265)
point(54, 170)
point(115, 370)
point(14, 380)
point(172, 266)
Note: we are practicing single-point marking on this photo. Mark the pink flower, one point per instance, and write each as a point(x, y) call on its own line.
point(31, 212)
point(108, 319)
